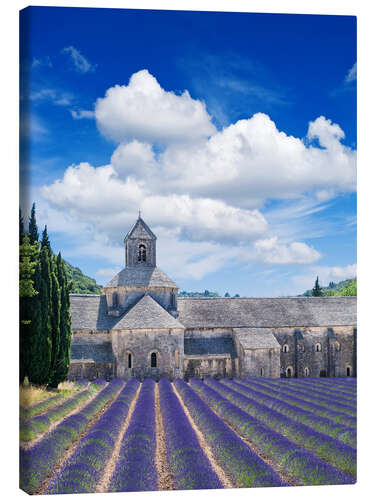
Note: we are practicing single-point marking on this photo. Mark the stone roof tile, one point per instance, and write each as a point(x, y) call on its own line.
point(142, 275)
point(256, 338)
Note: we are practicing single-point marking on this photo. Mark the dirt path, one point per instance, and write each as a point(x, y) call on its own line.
point(224, 479)
point(165, 478)
point(25, 445)
point(72, 448)
point(103, 485)
point(285, 477)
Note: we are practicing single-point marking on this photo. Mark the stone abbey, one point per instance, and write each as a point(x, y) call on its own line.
point(138, 327)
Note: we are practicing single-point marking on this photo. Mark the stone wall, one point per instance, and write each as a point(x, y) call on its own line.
point(260, 363)
point(316, 351)
point(126, 297)
point(210, 365)
point(168, 345)
point(91, 370)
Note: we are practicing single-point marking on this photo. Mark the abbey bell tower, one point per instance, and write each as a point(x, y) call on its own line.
point(140, 246)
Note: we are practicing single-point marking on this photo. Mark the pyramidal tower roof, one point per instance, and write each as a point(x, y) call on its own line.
point(140, 230)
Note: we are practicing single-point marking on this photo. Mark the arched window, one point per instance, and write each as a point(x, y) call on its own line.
point(141, 253)
point(322, 373)
point(289, 372)
point(262, 372)
point(348, 371)
point(114, 299)
point(154, 360)
point(130, 360)
point(306, 372)
point(318, 347)
point(173, 300)
point(285, 348)
point(337, 346)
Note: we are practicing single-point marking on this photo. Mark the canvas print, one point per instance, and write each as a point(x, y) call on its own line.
point(187, 250)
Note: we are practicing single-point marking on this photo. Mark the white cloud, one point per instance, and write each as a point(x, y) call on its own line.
point(206, 190)
point(80, 63)
point(79, 114)
point(273, 252)
point(144, 111)
point(326, 274)
point(352, 74)
point(55, 96)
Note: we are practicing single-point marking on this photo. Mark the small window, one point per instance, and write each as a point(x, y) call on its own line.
point(141, 253)
point(130, 360)
point(285, 348)
point(114, 299)
point(348, 371)
point(289, 372)
point(306, 372)
point(302, 347)
point(154, 360)
point(318, 347)
point(262, 372)
point(338, 346)
point(323, 373)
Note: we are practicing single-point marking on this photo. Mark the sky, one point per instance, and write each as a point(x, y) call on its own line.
point(234, 134)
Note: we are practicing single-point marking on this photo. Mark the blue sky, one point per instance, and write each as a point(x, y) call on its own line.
point(235, 134)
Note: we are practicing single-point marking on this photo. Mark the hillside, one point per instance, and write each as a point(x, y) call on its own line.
point(80, 282)
point(346, 287)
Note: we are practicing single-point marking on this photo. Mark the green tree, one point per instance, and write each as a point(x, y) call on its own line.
point(42, 337)
point(33, 228)
point(317, 290)
point(61, 367)
point(21, 227)
point(27, 294)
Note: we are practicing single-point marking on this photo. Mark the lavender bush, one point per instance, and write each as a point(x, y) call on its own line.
point(245, 467)
point(85, 467)
point(188, 463)
point(36, 425)
point(301, 465)
point(347, 434)
point(37, 463)
point(135, 469)
point(306, 396)
point(338, 454)
point(295, 410)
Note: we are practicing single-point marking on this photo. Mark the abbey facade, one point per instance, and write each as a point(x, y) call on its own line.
point(138, 327)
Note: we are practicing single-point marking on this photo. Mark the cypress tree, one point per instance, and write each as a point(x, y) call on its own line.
point(63, 358)
point(55, 316)
point(42, 342)
point(317, 290)
point(27, 295)
point(21, 226)
point(33, 228)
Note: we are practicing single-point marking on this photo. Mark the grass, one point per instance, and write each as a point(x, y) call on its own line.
point(31, 394)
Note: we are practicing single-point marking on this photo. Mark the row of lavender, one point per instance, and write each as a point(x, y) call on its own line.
point(295, 409)
point(302, 454)
point(33, 426)
point(323, 446)
point(297, 463)
point(38, 462)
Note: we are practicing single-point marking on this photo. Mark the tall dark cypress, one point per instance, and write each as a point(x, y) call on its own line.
point(33, 228)
point(42, 346)
point(27, 297)
point(21, 227)
point(55, 317)
point(63, 358)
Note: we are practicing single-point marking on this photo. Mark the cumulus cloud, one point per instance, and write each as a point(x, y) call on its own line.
point(273, 252)
point(80, 63)
point(352, 74)
point(205, 191)
point(144, 111)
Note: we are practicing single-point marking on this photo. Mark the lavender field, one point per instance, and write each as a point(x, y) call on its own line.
point(241, 433)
